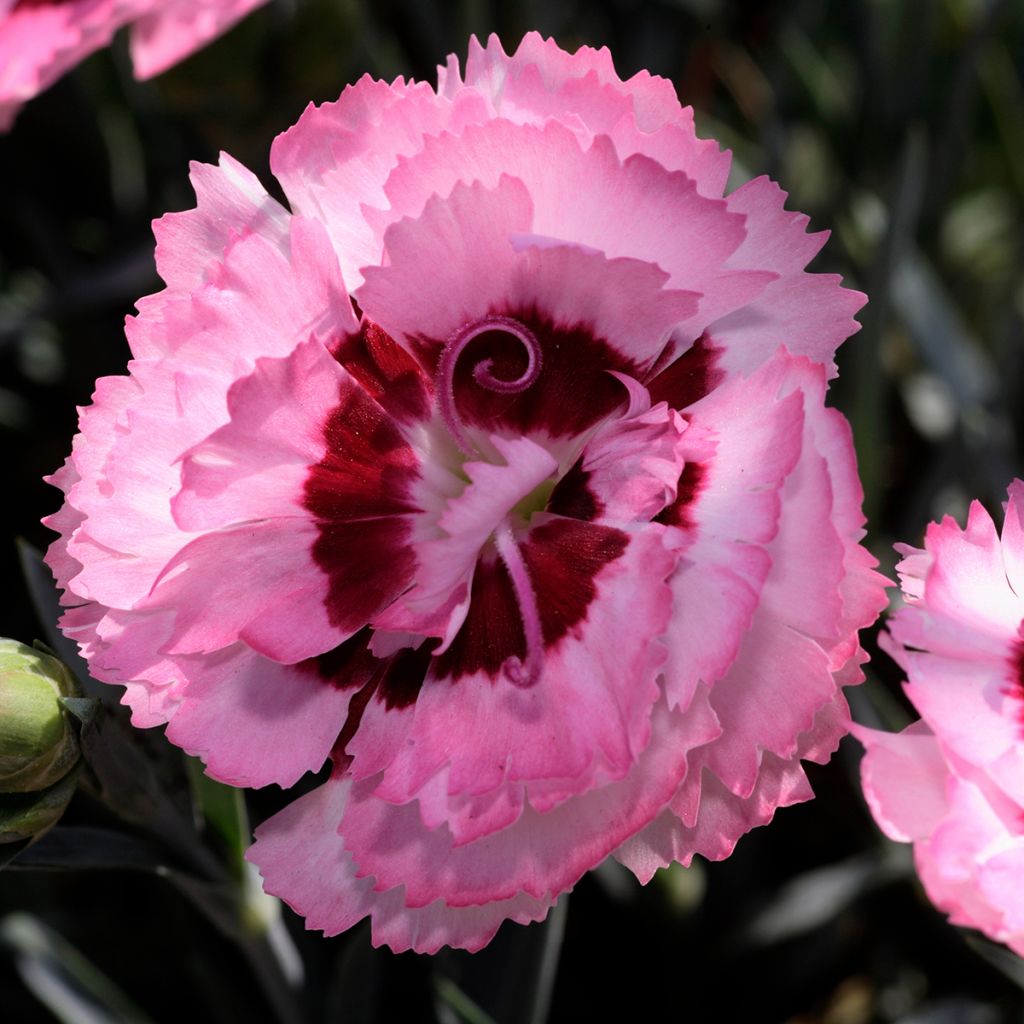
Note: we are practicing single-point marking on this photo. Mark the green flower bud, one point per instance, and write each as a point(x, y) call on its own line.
point(38, 742)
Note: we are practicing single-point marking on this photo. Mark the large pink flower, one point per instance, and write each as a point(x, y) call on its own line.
point(953, 783)
point(545, 537)
point(42, 39)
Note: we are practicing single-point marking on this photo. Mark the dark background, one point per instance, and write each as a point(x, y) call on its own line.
point(899, 126)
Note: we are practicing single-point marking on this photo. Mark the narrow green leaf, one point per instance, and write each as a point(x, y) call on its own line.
point(222, 809)
point(458, 1003)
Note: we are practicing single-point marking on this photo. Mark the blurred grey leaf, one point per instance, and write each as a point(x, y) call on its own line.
point(70, 986)
point(956, 1010)
point(1003, 959)
point(816, 897)
point(939, 332)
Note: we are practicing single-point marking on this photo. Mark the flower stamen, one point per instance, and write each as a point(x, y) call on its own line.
point(482, 372)
point(526, 672)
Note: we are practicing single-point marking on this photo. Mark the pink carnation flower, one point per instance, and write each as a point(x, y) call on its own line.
point(42, 39)
point(953, 783)
point(545, 537)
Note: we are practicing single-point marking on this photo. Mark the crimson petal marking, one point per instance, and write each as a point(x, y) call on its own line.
point(589, 314)
point(388, 374)
point(562, 557)
point(435, 604)
point(359, 494)
point(689, 377)
point(582, 724)
point(573, 391)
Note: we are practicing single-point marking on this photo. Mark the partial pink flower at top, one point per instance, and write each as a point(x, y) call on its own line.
point(953, 783)
point(40, 40)
point(497, 470)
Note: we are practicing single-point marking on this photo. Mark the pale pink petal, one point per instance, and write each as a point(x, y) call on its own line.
point(595, 692)
point(428, 288)
point(1013, 538)
point(630, 469)
point(253, 721)
point(618, 207)
point(263, 579)
point(303, 860)
point(448, 549)
point(976, 710)
point(176, 28)
point(540, 854)
point(641, 115)
point(811, 314)
point(39, 42)
point(336, 159)
point(230, 205)
point(904, 777)
point(742, 443)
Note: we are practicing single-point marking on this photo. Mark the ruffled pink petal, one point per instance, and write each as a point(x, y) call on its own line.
point(998, 879)
point(630, 469)
point(1013, 538)
point(430, 288)
point(254, 722)
point(618, 207)
point(595, 692)
point(723, 820)
point(40, 42)
point(304, 861)
point(952, 858)
point(172, 31)
point(811, 314)
point(976, 710)
point(541, 855)
point(967, 582)
point(90, 447)
point(336, 159)
point(230, 205)
point(540, 80)
point(904, 778)
point(862, 589)
point(707, 818)
point(742, 442)
point(447, 550)
point(264, 582)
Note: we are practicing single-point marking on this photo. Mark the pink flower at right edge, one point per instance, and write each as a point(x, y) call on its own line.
point(41, 40)
point(953, 783)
